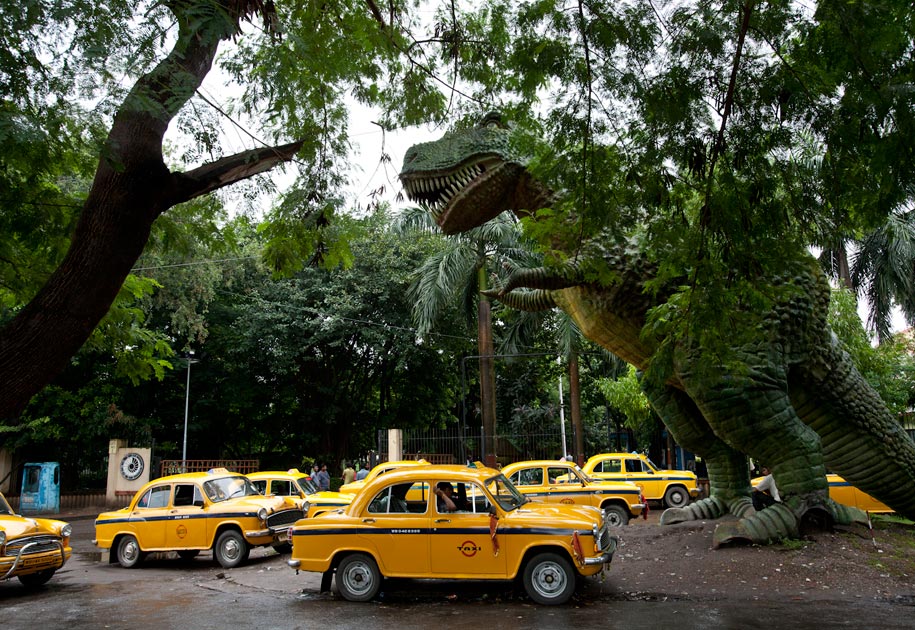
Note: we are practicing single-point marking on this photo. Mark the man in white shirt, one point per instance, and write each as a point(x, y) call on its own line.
point(765, 493)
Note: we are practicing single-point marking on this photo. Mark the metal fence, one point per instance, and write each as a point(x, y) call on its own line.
point(176, 466)
point(454, 445)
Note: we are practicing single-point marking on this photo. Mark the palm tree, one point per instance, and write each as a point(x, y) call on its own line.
point(461, 270)
point(882, 268)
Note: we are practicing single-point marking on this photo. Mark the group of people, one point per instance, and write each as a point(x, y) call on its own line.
point(322, 478)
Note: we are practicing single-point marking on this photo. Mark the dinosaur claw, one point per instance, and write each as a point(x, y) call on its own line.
point(671, 516)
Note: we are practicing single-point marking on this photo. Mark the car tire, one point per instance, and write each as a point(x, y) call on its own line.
point(231, 549)
point(188, 554)
point(676, 497)
point(129, 552)
point(283, 548)
point(36, 579)
point(549, 579)
point(616, 516)
point(358, 578)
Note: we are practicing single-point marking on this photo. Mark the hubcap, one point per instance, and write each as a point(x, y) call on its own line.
point(230, 549)
point(549, 579)
point(358, 578)
point(130, 551)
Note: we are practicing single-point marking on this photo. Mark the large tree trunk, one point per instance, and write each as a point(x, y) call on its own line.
point(487, 373)
point(132, 187)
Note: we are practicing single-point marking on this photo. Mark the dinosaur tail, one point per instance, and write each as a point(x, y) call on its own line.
point(861, 440)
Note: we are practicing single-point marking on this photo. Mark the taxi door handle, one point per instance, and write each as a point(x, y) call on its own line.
point(368, 520)
point(443, 520)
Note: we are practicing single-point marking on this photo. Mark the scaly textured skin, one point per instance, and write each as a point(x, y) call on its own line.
point(799, 404)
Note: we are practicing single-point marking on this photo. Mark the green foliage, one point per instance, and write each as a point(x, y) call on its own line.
point(889, 367)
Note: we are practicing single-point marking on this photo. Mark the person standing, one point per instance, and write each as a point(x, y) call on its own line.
point(348, 474)
point(363, 472)
point(322, 478)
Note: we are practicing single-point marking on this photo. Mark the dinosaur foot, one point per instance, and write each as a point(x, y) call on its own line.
point(774, 523)
point(704, 509)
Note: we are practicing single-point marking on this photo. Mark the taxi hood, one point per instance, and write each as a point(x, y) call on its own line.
point(578, 516)
point(16, 527)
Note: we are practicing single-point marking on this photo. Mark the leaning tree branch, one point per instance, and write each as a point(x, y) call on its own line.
point(231, 169)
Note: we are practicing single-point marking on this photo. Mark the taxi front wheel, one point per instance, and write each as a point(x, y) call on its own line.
point(231, 549)
point(549, 579)
point(616, 516)
point(36, 579)
point(129, 552)
point(358, 578)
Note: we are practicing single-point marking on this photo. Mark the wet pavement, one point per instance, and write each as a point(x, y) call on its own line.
point(165, 592)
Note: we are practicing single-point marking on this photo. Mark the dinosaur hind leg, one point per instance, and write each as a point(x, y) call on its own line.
point(750, 410)
point(729, 480)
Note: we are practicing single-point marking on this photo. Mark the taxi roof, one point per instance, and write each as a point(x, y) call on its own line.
point(455, 472)
point(541, 462)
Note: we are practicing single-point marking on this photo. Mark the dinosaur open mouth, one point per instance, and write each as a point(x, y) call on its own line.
point(436, 190)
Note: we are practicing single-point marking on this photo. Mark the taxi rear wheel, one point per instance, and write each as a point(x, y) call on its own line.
point(358, 578)
point(616, 516)
point(36, 579)
point(676, 496)
point(549, 579)
point(129, 552)
point(231, 549)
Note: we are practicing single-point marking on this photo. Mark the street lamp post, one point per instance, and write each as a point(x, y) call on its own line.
point(187, 402)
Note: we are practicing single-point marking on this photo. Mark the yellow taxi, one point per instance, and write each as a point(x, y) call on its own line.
point(356, 486)
point(31, 549)
point(843, 492)
point(302, 488)
point(674, 487)
point(468, 523)
point(193, 512)
point(564, 482)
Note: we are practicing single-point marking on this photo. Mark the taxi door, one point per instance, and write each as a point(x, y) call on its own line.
point(187, 523)
point(460, 541)
point(149, 517)
point(395, 526)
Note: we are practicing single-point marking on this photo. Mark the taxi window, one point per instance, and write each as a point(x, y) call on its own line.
point(610, 466)
point(156, 497)
point(528, 477)
point(283, 488)
point(260, 485)
point(634, 465)
point(187, 494)
point(467, 498)
point(402, 498)
point(560, 474)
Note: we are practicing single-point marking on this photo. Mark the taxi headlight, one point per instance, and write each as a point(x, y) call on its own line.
point(262, 514)
point(66, 530)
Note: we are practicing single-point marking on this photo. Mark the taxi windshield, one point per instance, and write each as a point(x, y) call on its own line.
point(228, 488)
point(307, 485)
point(505, 494)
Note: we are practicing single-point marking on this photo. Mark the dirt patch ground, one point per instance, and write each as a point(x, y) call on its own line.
point(678, 562)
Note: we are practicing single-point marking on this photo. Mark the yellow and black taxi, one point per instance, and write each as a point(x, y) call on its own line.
point(355, 487)
point(452, 522)
point(675, 487)
point(194, 512)
point(564, 482)
point(843, 492)
point(31, 549)
point(296, 484)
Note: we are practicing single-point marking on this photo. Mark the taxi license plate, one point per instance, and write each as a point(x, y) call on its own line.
point(31, 562)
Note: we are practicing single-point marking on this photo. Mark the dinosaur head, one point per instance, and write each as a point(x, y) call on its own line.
point(467, 177)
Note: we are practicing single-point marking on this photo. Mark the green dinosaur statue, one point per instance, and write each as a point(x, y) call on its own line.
point(798, 403)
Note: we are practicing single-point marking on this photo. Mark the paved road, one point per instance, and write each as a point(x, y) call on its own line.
point(265, 593)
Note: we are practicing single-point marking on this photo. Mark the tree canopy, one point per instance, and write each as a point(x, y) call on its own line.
point(723, 136)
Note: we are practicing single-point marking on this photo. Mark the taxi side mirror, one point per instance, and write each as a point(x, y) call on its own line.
point(492, 510)
point(198, 503)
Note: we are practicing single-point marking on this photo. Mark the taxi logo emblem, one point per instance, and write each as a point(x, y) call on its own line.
point(181, 531)
point(469, 548)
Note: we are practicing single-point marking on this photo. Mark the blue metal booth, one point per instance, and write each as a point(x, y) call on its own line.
point(40, 488)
